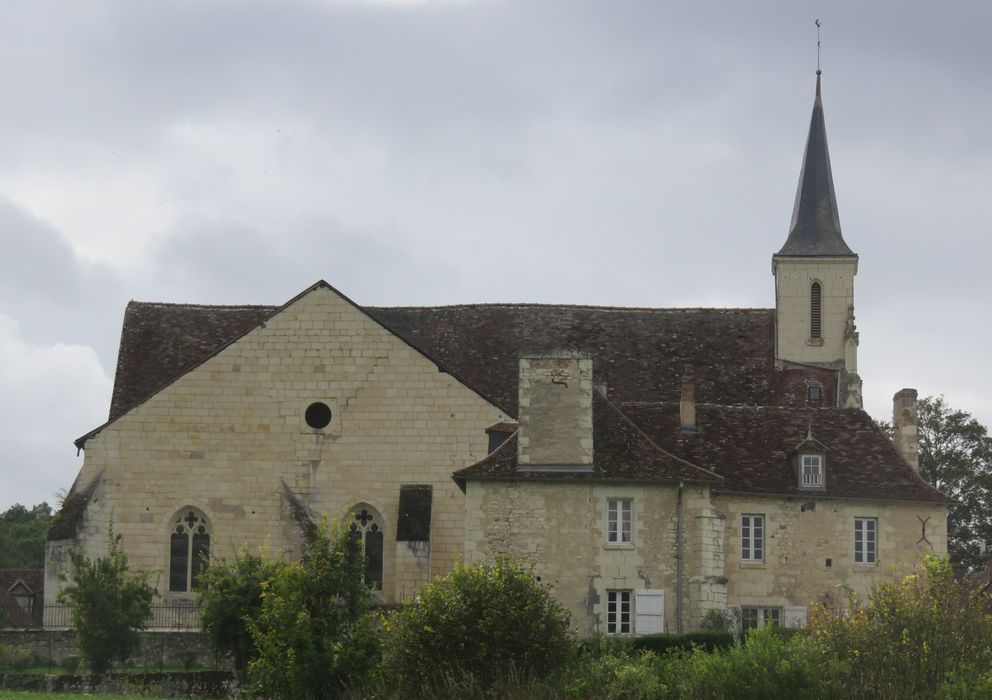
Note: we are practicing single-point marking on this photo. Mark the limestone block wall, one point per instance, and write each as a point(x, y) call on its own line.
point(793, 277)
point(560, 528)
point(555, 409)
point(809, 554)
point(224, 438)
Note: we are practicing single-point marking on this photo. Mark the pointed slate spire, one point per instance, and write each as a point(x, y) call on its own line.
point(815, 228)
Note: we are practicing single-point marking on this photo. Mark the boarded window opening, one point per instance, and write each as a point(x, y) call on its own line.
point(815, 293)
point(414, 521)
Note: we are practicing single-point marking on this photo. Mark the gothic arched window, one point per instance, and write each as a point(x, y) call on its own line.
point(365, 531)
point(189, 548)
point(815, 294)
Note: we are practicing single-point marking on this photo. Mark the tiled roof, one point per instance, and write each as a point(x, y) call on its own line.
point(160, 341)
point(750, 447)
point(621, 452)
point(638, 354)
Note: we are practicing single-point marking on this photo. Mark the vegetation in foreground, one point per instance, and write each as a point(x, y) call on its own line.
point(492, 630)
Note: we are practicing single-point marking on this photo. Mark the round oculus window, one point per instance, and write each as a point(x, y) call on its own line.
point(318, 415)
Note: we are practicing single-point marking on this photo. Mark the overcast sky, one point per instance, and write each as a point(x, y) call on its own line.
point(630, 153)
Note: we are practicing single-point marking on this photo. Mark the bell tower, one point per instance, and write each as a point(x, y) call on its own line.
point(814, 273)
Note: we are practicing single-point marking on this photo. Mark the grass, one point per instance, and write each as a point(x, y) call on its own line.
point(29, 695)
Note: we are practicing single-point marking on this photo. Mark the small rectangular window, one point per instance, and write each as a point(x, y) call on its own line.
point(752, 617)
point(752, 537)
point(812, 471)
point(865, 540)
point(618, 612)
point(619, 520)
point(815, 393)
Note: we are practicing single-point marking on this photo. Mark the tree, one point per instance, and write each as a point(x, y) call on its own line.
point(109, 604)
point(487, 621)
point(313, 636)
point(908, 635)
point(22, 536)
point(230, 596)
point(956, 457)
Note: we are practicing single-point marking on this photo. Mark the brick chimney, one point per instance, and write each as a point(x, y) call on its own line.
point(687, 404)
point(555, 412)
point(905, 434)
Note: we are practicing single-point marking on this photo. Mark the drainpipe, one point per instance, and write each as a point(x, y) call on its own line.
point(679, 551)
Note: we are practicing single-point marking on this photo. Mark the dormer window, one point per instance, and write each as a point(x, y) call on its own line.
point(811, 471)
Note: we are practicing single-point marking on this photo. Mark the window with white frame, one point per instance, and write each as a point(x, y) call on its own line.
point(619, 520)
point(811, 471)
point(752, 537)
point(865, 540)
point(618, 612)
point(758, 616)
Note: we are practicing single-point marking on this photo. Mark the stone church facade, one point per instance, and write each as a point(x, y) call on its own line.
point(651, 464)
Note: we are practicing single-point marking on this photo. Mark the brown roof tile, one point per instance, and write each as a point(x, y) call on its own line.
point(621, 452)
point(750, 447)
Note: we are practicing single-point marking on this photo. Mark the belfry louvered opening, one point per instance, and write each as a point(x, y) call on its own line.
point(815, 294)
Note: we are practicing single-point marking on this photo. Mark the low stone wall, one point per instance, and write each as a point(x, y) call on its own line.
point(192, 684)
point(158, 649)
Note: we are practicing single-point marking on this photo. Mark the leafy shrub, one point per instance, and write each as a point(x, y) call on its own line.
point(909, 635)
point(230, 596)
point(189, 659)
point(488, 621)
point(70, 664)
point(966, 683)
point(313, 636)
point(707, 640)
point(765, 667)
point(609, 670)
point(109, 604)
point(16, 658)
point(721, 620)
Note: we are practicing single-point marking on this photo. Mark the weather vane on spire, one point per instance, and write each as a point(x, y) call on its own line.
point(817, 46)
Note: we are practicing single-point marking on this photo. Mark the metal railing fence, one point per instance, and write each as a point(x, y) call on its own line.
point(162, 617)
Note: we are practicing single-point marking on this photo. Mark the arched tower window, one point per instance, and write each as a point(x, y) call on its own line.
point(815, 307)
point(189, 548)
point(365, 531)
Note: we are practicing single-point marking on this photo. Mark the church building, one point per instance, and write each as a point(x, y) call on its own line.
point(651, 465)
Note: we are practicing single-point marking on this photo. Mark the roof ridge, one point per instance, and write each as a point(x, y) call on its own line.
point(172, 304)
point(532, 305)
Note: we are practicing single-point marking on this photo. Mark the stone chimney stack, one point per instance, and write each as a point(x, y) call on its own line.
point(905, 434)
point(687, 404)
point(555, 412)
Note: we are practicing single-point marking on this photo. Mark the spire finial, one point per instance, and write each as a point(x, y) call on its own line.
point(817, 23)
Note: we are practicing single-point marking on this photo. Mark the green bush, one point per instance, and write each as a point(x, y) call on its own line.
point(16, 658)
point(764, 667)
point(488, 621)
point(313, 637)
point(966, 683)
point(707, 640)
point(109, 604)
point(230, 596)
point(609, 667)
point(908, 636)
point(70, 664)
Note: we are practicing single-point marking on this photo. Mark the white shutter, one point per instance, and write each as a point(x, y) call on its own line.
point(794, 616)
point(649, 611)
